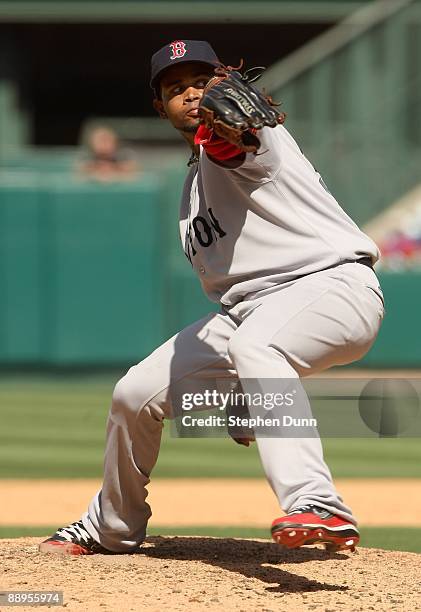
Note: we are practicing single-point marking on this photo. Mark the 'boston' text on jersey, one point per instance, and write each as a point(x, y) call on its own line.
point(205, 231)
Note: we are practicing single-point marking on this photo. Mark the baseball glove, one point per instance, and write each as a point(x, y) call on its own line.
point(234, 109)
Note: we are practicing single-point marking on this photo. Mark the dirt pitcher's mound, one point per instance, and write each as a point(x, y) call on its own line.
point(201, 573)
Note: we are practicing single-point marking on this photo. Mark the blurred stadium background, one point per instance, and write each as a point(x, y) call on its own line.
point(92, 276)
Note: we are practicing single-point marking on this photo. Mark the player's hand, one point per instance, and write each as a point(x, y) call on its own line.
point(243, 441)
point(239, 411)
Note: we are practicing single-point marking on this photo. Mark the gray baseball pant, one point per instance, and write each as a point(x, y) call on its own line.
point(328, 318)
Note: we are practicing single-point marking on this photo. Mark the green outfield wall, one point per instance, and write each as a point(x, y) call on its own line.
point(95, 275)
point(80, 272)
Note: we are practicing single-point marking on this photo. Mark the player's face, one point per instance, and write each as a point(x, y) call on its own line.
point(182, 87)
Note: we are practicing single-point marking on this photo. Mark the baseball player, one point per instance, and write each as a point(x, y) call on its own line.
point(294, 278)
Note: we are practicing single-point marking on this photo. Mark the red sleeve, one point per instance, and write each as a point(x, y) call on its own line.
point(214, 145)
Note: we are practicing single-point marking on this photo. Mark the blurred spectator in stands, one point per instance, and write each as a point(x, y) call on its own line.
point(105, 159)
point(401, 246)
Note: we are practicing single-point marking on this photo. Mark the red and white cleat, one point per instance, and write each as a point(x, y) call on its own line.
point(314, 525)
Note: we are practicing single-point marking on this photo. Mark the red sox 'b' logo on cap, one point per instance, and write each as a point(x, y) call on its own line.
point(178, 48)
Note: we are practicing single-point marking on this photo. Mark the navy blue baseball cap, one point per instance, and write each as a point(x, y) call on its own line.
point(180, 51)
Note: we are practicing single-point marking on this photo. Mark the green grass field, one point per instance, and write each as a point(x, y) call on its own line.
point(54, 427)
point(388, 538)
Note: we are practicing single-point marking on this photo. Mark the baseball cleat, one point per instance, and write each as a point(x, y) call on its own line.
point(72, 540)
point(314, 525)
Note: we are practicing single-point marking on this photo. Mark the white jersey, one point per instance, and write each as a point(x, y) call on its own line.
point(265, 223)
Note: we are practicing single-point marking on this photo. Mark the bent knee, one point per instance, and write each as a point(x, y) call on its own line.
point(124, 394)
point(132, 391)
point(137, 392)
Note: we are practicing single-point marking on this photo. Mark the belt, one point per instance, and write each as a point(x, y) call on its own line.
point(366, 261)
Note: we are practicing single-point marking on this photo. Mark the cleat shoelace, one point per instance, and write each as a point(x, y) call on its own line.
point(322, 512)
point(75, 531)
point(300, 510)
